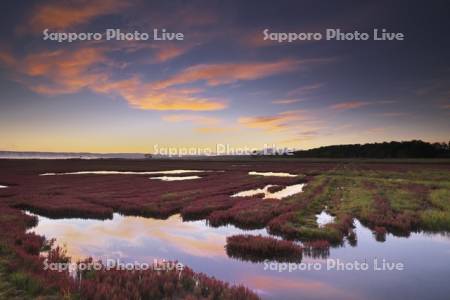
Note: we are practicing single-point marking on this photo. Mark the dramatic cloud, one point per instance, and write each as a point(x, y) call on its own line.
point(143, 96)
point(166, 52)
point(291, 127)
point(349, 105)
point(69, 71)
point(7, 59)
point(286, 101)
point(357, 104)
point(217, 74)
point(64, 72)
point(281, 121)
point(59, 15)
point(60, 71)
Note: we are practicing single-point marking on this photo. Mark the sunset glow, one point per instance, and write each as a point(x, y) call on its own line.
point(223, 83)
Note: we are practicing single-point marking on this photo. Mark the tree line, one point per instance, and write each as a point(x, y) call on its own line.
point(405, 149)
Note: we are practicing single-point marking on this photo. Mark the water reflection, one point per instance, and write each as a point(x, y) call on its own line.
point(276, 174)
point(426, 257)
point(285, 192)
point(175, 178)
point(166, 238)
point(124, 172)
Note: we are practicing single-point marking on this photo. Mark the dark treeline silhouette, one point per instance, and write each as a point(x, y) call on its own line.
point(409, 149)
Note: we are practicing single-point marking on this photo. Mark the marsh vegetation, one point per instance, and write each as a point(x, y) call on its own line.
point(388, 199)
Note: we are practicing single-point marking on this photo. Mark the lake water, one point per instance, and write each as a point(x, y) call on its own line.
point(426, 258)
point(271, 174)
point(283, 193)
point(175, 178)
point(125, 172)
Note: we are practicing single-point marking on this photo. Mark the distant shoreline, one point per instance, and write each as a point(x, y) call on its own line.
point(252, 159)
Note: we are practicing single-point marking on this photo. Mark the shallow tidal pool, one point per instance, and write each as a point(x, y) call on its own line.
point(425, 257)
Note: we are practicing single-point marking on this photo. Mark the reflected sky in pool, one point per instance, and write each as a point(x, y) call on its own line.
point(175, 178)
point(426, 257)
point(275, 174)
point(124, 172)
point(285, 192)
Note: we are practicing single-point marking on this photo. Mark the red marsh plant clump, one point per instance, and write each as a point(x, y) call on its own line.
point(275, 188)
point(202, 208)
point(120, 284)
point(344, 223)
point(282, 225)
point(380, 233)
point(400, 223)
point(259, 248)
point(248, 213)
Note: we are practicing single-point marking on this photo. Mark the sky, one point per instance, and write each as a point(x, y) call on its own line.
point(223, 83)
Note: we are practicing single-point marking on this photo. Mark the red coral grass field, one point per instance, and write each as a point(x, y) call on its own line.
point(259, 248)
point(387, 198)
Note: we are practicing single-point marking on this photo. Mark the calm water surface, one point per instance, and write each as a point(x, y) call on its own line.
point(426, 258)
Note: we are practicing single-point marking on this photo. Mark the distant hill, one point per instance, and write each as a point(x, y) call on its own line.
point(409, 149)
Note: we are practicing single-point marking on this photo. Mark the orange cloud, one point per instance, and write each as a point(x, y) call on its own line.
point(277, 122)
point(173, 100)
point(143, 96)
point(216, 74)
point(286, 101)
point(166, 52)
point(7, 59)
point(59, 15)
point(68, 71)
point(349, 105)
point(64, 72)
point(169, 53)
point(58, 72)
point(291, 127)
